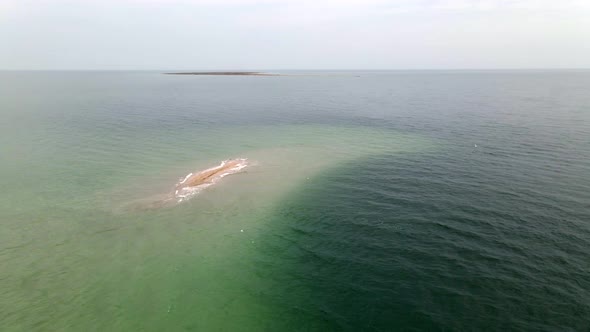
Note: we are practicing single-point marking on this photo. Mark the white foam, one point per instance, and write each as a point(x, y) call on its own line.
point(185, 178)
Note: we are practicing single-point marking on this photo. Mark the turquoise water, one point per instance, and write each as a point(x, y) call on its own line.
point(374, 201)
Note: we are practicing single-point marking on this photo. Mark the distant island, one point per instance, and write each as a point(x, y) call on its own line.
point(231, 73)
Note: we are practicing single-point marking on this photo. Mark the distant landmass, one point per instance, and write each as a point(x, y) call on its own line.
point(234, 73)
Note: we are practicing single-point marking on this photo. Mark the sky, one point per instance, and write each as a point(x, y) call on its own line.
point(293, 34)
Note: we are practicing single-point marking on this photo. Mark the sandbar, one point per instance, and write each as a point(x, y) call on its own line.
point(194, 182)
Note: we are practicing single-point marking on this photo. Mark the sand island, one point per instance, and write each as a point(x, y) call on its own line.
point(195, 182)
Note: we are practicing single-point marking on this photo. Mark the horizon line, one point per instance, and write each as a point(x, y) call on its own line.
point(307, 69)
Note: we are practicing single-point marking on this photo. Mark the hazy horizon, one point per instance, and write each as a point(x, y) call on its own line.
point(267, 70)
point(294, 35)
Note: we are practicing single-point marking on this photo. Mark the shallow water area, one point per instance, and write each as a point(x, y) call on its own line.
point(147, 241)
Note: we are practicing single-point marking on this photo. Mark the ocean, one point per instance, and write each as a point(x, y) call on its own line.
point(372, 201)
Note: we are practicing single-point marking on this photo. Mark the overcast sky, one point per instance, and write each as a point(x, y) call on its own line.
point(294, 34)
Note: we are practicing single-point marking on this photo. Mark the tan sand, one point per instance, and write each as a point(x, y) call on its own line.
point(190, 185)
point(208, 175)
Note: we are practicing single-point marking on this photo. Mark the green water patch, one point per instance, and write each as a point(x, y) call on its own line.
point(426, 241)
point(73, 259)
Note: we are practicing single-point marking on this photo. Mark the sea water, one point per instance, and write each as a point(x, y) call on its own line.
point(383, 200)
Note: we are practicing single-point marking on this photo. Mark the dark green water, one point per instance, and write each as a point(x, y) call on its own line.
point(379, 201)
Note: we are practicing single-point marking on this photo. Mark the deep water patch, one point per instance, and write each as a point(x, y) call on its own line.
point(426, 242)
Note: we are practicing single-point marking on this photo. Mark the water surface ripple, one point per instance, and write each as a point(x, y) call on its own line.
point(376, 201)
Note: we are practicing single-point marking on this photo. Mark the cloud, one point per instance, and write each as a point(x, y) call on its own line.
point(507, 4)
point(400, 5)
